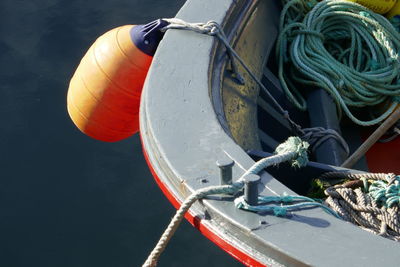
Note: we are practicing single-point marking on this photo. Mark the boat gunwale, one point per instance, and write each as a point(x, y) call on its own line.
point(176, 186)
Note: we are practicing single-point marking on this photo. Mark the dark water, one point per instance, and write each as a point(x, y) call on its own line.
point(65, 199)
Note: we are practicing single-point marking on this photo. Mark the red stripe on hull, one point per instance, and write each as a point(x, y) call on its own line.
point(384, 157)
point(196, 222)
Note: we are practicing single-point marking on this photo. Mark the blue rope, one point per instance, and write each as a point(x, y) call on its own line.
point(293, 149)
point(282, 210)
point(385, 194)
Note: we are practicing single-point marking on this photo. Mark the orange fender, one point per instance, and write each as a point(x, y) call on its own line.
point(104, 93)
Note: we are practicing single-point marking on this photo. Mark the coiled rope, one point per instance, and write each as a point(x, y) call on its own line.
point(369, 200)
point(294, 150)
point(344, 48)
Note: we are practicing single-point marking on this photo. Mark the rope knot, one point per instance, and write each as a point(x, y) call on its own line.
point(212, 27)
point(279, 211)
point(295, 145)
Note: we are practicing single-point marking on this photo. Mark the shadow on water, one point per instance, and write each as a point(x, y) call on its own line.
point(65, 199)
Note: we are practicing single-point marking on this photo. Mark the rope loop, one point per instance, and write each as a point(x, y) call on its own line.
point(211, 27)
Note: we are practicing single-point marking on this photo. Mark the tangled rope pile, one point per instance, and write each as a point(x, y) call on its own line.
point(369, 200)
point(344, 48)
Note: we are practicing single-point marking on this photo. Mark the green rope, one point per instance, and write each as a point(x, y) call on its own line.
point(296, 145)
point(385, 193)
point(296, 149)
point(343, 48)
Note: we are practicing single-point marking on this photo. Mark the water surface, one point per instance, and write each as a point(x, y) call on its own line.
point(66, 199)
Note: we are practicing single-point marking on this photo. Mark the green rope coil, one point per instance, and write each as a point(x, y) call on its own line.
point(385, 194)
point(343, 48)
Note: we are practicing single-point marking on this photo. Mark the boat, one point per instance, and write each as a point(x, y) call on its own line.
point(200, 126)
point(193, 114)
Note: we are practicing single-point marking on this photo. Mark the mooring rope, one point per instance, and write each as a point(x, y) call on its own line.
point(369, 200)
point(214, 29)
point(343, 48)
point(211, 28)
point(294, 150)
point(290, 203)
